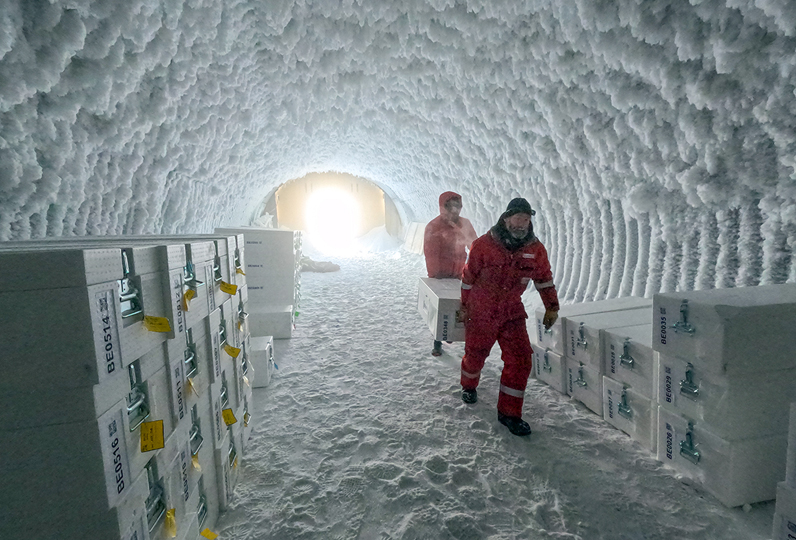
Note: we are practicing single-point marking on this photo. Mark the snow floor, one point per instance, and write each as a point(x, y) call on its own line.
point(362, 435)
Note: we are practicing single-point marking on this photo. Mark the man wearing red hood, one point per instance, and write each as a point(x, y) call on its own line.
point(445, 243)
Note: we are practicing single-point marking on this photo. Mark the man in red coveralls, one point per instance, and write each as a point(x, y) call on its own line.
point(501, 265)
point(446, 239)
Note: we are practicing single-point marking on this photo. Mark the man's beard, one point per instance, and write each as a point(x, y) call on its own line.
point(518, 234)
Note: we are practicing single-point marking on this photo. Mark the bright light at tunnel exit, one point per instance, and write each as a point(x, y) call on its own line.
point(332, 218)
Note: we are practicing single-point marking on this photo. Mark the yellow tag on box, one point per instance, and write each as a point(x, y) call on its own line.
point(228, 288)
point(189, 295)
point(170, 523)
point(195, 463)
point(192, 387)
point(157, 324)
point(246, 418)
point(240, 271)
point(229, 417)
point(246, 380)
point(232, 351)
point(210, 535)
point(152, 436)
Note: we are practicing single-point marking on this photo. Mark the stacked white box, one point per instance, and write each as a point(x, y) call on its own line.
point(550, 367)
point(631, 412)
point(553, 337)
point(262, 360)
point(726, 369)
point(628, 358)
point(273, 266)
point(276, 321)
point(735, 472)
point(439, 303)
point(86, 298)
point(585, 333)
point(585, 384)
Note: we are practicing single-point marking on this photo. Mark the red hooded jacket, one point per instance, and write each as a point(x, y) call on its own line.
point(444, 242)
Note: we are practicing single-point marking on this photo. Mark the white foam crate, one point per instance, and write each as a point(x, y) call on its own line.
point(729, 330)
point(734, 407)
point(628, 357)
point(585, 333)
point(631, 412)
point(262, 360)
point(439, 303)
point(553, 337)
point(785, 512)
point(735, 472)
point(550, 368)
point(23, 269)
point(276, 321)
point(585, 385)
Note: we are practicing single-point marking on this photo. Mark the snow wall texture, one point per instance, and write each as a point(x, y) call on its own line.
point(655, 138)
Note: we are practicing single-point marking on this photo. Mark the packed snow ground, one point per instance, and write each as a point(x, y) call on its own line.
point(362, 435)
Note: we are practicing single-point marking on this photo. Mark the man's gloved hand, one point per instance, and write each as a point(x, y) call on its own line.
point(550, 317)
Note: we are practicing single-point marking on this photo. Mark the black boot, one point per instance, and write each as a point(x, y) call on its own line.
point(516, 425)
point(469, 396)
point(437, 350)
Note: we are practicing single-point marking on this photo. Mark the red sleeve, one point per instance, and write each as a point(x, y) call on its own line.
point(471, 270)
point(431, 250)
point(543, 279)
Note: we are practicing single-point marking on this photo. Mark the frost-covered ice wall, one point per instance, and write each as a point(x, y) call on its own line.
point(656, 138)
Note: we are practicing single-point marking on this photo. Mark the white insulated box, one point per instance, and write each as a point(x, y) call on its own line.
point(550, 367)
point(553, 337)
point(628, 357)
point(276, 321)
point(227, 466)
point(733, 407)
point(585, 384)
point(56, 268)
point(631, 412)
point(785, 512)
point(439, 302)
point(728, 330)
point(261, 356)
point(735, 472)
point(584, 333)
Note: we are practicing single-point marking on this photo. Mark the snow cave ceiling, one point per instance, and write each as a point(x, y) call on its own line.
point(655, 138)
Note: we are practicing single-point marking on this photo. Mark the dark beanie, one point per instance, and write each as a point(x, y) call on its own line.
point(518, 206)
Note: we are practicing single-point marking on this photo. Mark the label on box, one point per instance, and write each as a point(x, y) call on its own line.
point(106, 338)
point(217, 415)
point(216, 355)
point(114, 455)
point(189, 295)
point(170, 523)
point(152, 436)
point(184, 467)
point(210, 535)
point(195, 462)
point(177, 397)
point(157, 324)
point(232, 351)
point(229, 417)
point(229, 288)
point(211, 297)
point(179, 292)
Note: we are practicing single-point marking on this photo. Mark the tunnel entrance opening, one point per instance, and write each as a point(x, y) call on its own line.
point(341, 214)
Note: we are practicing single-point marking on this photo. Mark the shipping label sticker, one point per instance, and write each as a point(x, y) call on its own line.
point(157, 324)
point(170, 523)
point(210, 535)
point(189, 295)
point(114, 456)
point(152, 436)
point(106, 335)
point(232, 351)
point(229, 417)
point(229, 288)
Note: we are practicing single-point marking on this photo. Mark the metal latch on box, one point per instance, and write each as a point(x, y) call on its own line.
point(137, 406)
point(191, 365)
point(224, 396)
point(237, 259)
point(687, 386)
point(232, 455)
point(687, 449)
point(683, 326)
point(581, 342)
point(580, 381)
point(623, 408)
point(129, 295)
point(626, 360)
point(155, 504)
point(195, 435)
point(546, 366)
point(189, 276)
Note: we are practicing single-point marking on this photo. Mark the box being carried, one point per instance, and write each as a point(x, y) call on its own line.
point(439, 302)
